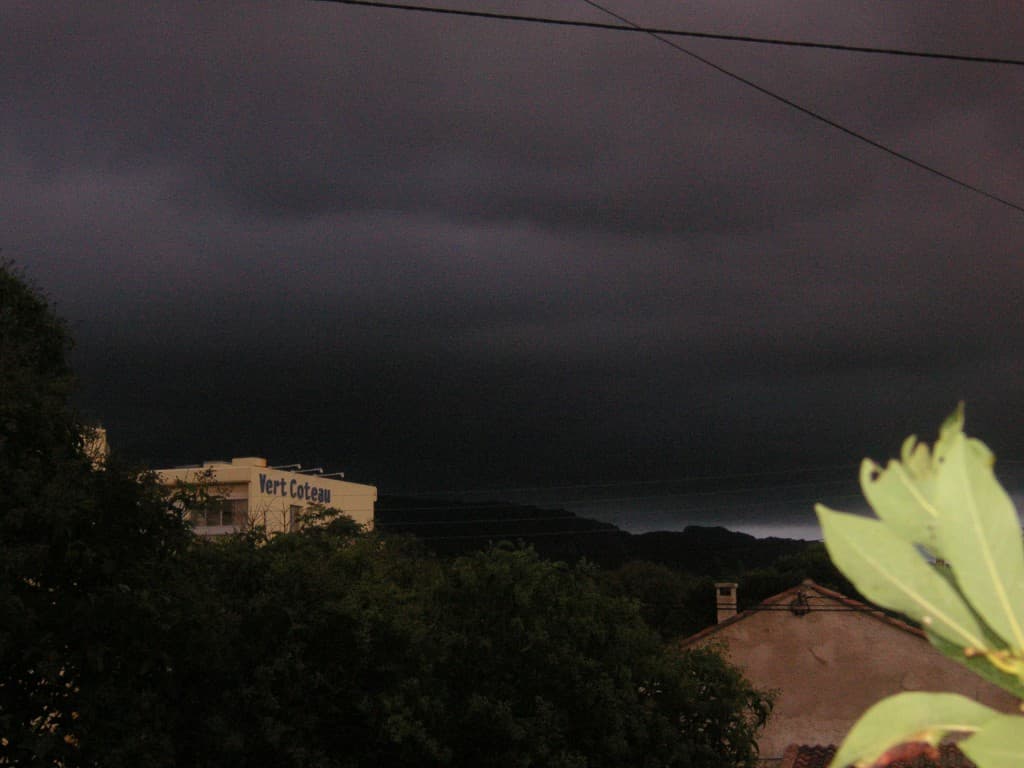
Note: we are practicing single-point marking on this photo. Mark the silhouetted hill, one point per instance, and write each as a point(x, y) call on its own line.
point(711, 550)
point(453, 528)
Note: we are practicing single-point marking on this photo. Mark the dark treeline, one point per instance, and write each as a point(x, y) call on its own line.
point(670, 574)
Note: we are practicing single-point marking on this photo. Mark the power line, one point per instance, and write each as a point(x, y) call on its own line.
point(630, 27)
point(764, 490)
point(738, 505)
point(815, 115)
point(879, 612)
point(534, 519)
point(751, 504)
point(513, 535)
point(475, 521)
point(505, 536)
point(670, 481)
point(662, 35)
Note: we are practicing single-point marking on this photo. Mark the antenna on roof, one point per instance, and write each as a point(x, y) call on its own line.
point(313, 471)
point(288, 466)
point(333, 474)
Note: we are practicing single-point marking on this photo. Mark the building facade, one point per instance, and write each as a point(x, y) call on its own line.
point(245, 492)
point(829, 658)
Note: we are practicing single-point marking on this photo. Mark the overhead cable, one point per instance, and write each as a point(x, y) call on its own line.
point(519, 535)
point(437, 493)
point(748, 504)
point(630, 27)
point(816, 115)
point(663, 36)
point(669, 481)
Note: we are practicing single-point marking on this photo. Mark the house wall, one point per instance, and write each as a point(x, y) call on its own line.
point(832, 664)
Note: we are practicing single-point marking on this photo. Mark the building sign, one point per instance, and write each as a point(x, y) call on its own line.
point(294, 489)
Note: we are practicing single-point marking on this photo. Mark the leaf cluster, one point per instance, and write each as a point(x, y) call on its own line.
point(946, 551)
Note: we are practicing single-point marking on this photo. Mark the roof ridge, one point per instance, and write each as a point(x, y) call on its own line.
point(796, 590)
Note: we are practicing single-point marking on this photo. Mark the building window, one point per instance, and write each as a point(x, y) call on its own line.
point(236, 512)
point(225, 512)
point(294, 517)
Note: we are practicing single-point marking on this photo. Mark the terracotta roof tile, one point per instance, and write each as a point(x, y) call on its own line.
point(818, 756)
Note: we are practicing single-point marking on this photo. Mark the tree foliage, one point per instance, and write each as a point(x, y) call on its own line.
point(80, 553)
point(352, 649)
point(677, 603)
point(945, 550)
point(674, 603)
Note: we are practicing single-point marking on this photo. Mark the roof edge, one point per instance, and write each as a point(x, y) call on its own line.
point(788, 595)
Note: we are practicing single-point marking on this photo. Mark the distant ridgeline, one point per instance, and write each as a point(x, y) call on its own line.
point(453, 528)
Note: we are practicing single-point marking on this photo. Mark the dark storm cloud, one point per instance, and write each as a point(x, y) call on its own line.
point(328, 109)
point(471, 252)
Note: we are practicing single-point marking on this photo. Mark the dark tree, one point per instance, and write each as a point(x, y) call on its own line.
point(352, 650)
point(82, 553)
point(674, 603)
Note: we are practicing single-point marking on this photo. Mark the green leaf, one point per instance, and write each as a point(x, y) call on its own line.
point(949, 429)
point(889, 571)
point(981, 537)
point(980, 665)
point(917, 459)
point(910, 717)
point(902, 502)
point(998, 744)
point(903, 494)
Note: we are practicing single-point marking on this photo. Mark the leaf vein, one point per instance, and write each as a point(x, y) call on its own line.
point(986, 550)
point(973, 641)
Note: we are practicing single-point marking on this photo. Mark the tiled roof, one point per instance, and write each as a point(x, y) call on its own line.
point(914, 756)
point(808, 587)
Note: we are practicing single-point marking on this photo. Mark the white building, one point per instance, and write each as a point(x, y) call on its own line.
point(247, 493)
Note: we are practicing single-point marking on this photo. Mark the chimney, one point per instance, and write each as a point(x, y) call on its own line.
point(725, 598)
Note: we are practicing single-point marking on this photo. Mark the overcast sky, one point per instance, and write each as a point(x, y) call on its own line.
point(445, 253)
